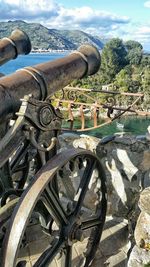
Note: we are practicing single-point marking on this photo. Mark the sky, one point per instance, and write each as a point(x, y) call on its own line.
point(125, 19)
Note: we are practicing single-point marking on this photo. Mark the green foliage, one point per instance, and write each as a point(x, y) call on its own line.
point(145, 60)
point(131, 44)
point(125, 67)
point(79, 37)
point(123, 81)
point(134, 52)
point(146, 84)
point(135, 56)
point(113, 59)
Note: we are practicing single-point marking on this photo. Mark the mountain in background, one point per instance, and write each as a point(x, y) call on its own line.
point(44, 38)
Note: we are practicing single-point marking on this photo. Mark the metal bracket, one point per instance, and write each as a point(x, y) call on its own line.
point(41, 114)
point(39, 147)
point(36, 114)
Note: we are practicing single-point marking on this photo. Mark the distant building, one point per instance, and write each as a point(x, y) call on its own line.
point(108, 87)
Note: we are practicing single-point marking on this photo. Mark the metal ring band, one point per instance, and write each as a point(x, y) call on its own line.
point(85, 60)
point(40, 79)
point(13, 44)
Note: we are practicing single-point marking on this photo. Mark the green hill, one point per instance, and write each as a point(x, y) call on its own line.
point(44, 38)
point(77, 38)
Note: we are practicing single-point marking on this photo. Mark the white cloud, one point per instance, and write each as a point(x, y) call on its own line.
point(147, 4)
point(52, 14)
point(55, 15)
point(143, 35)
point(92, 21)
point(27, 9)
point(144, 30)
point(10, 2)
point(137, 32)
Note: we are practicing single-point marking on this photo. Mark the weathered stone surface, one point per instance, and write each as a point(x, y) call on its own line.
point(107, 139)
point(87, 142)
point(148, 133)
point(123, 177)
point(141, 137)
point(66, 140)
point(125, 140)
point(129, 168)
point(144, 200)
point(78, 141)
point(138, 257)
point(146, 179)
point(138, 146)
point(145, 164)
point(142, 230)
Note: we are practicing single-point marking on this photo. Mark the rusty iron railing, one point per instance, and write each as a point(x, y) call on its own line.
point(68, 100)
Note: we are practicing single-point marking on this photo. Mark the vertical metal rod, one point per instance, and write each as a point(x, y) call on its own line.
point(70, 115)
point(82, 118)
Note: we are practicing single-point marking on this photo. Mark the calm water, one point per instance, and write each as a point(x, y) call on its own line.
point(134, 125)
point(29, 60)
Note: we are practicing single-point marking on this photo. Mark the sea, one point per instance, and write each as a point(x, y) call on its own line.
point(131, 124)
point(29, 60)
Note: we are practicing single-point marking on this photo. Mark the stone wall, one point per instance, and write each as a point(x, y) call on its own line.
point(140, 255)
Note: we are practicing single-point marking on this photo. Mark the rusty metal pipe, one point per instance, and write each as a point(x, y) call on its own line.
point(16, 44)
point(44, 79)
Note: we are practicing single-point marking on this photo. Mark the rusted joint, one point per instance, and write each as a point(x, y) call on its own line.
point(39, 78)
point(85, 60)
point(14, 46)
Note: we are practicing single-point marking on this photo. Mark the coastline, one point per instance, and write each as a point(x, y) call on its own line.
point(41, 51)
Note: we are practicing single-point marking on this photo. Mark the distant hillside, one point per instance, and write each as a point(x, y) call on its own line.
point(77, 38)
point(44, 38)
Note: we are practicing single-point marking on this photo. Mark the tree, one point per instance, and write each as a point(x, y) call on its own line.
point(113, 58)
point(123, 81)
point(134, 52)
point(146, 85)
point(131, 44)
point(145, 60)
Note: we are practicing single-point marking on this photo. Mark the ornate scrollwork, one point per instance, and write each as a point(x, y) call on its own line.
point(110, 101)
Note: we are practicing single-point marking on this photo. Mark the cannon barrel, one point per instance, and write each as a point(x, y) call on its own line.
point(45, 79)
point(16, 44)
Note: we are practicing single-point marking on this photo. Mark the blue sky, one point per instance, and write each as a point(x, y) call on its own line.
point(126, 19)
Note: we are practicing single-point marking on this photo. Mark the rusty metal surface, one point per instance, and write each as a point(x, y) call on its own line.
point(16, 44)
point(56, 75)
